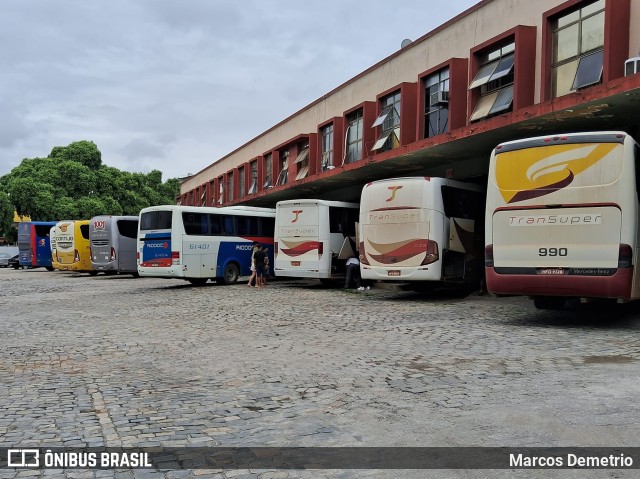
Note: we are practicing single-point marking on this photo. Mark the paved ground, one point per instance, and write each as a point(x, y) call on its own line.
point(117, 361)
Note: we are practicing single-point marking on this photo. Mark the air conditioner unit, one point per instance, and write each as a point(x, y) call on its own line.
point(439, 98)
point(632, 66)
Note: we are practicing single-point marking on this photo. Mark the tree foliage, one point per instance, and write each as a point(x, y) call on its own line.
point(73, 183)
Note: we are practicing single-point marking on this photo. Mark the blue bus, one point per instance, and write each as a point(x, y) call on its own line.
point(33, 244)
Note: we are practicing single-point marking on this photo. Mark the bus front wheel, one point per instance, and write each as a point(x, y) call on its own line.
point(231, 274)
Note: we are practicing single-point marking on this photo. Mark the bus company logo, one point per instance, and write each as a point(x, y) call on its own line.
point(393, 189)
point(164, 245)
point(99, 225)
point(63, 228)
point(42, 242)
point(23, 457)
point(297, 214)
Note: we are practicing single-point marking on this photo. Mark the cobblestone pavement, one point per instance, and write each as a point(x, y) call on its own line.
point(117, 361)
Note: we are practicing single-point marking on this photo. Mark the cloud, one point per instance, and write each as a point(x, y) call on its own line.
point(176, 85)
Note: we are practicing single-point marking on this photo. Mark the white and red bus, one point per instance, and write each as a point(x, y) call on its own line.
point(314, 238)
point(421, 229)
point(562, 218)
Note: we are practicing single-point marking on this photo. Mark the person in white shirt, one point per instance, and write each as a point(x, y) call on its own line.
point(353, 273)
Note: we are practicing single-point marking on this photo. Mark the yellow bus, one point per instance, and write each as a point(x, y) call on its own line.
point(73, 249)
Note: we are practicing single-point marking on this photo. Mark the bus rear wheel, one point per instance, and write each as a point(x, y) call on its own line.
point(49, 268)
point(197, 281)
point(549, 302)
point(231, 274)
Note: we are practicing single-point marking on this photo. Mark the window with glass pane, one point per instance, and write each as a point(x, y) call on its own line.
point(495, 81)
point(230, 187)
point(220, 190)
point(241, 182)
point(284, 167)
point(302, 161)
point(354, 137)
point(268, 168)
point(327, 147)
point(389, 119)
point(578, 49)
point(254, 178)
point(436, 94)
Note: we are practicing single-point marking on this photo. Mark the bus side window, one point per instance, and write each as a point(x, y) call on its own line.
point(215, 223)
point(128, 228)
point(195, 223)
point(229, 226)
point(267, 226)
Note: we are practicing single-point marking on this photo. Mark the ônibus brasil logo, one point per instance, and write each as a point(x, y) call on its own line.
point(297, 213)
point(393, 192)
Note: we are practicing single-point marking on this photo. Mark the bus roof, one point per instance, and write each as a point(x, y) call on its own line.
point(565, 138)
point(338, 204)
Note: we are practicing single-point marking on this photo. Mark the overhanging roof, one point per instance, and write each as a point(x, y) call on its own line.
point(464, 153)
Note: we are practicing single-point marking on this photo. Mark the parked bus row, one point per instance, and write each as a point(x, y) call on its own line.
point(558, 218)
point(102, 244)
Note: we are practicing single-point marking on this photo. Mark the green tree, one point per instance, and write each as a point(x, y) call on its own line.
point(72, 183)
point(83, 152)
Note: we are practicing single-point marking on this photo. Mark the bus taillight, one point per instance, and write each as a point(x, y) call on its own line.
point(488, 256)
point(432, 253)
point(320, 248)
point(113, 254)
point(625, 256)
point(175, 257)
point(76, 256)
point(275, 248)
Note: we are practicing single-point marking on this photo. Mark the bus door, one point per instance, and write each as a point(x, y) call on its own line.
point(464, 210)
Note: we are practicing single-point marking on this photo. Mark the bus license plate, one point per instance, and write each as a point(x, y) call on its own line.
point(551, 271)
point(393, 272)
point(295, 263)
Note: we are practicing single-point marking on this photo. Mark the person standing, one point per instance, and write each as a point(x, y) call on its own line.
point(259, 257)
point(353, 273)
point(252, 279)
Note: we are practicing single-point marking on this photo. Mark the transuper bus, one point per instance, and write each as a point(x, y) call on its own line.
point(314, 238)
point(113, 244)
point(422, 229)
point(201, 243)
point(562, 218)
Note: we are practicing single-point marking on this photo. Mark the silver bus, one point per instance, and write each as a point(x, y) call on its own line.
point(113, 244)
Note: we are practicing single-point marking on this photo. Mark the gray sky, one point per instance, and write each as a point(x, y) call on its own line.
point(175, 85)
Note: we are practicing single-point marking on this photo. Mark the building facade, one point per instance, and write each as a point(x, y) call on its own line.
point(501, 70)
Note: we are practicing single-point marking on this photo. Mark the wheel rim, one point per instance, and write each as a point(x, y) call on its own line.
point(231, 274)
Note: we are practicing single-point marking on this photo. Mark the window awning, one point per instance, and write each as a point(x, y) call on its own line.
point(303, 155)
point(383, 116)
point(385, 136)
point(303, 172)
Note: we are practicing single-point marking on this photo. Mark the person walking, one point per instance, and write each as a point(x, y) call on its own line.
point(353, 273)
point(259, 257)
point(252, 279)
